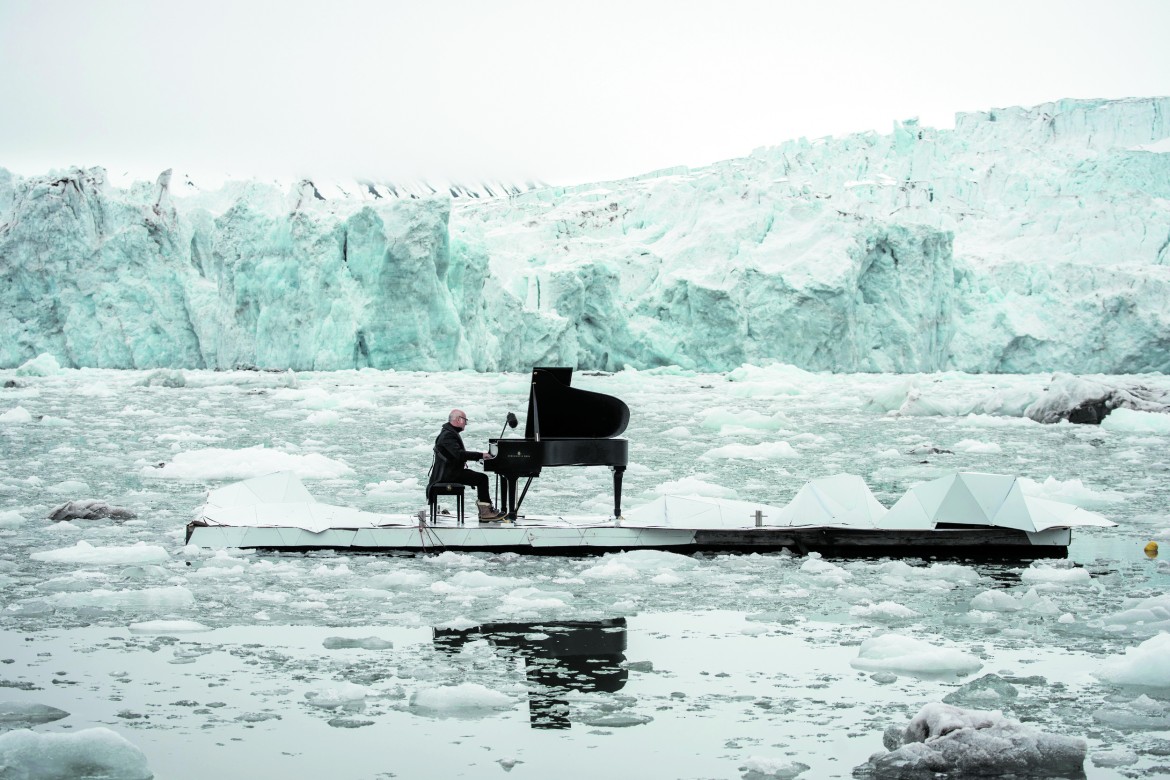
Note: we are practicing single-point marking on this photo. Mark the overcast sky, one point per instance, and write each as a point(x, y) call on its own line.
point(556, 91)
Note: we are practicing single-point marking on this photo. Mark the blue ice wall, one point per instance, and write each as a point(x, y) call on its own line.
point(1023, 240)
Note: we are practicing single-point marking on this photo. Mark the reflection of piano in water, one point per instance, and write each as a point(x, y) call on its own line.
point(559, 657)
point(565, 427)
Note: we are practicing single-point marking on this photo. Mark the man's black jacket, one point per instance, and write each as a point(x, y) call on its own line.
point(450, 444)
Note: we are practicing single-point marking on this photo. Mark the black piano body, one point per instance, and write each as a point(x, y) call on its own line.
point(565, 426)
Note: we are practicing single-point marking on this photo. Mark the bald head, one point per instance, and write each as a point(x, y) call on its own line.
point(457, 418)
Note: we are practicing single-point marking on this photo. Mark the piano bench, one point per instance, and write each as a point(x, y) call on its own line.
point(447, 489)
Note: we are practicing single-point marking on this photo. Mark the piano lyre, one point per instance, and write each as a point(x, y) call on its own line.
point(565, 427)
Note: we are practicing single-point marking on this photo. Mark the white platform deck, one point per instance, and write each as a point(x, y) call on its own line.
point(958, 514)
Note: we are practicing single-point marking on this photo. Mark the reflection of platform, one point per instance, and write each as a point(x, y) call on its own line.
point(559, 657)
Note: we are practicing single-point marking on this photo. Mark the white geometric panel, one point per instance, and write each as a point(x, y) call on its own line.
point(809, 507)
point(1015, 512)
point(931, 494)
point(278, 488)
point(235, 494)
point(907, 515)
point(959, 506)
point(989, 490)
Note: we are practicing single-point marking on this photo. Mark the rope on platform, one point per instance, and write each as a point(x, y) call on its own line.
point(425, 533)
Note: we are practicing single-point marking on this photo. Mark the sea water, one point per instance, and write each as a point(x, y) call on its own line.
point(246, 664)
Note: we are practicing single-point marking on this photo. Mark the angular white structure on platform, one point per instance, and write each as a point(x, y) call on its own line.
point(842, 500)
point(970, 498)
point(277, 512)
point(280, 500)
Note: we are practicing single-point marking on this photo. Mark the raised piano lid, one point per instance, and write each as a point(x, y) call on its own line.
point(570, 413)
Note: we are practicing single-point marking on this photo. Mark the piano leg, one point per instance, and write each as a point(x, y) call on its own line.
point(510, 497)
point(617, 490)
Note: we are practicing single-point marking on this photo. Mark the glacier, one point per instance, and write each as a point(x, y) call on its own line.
point(1023, 240)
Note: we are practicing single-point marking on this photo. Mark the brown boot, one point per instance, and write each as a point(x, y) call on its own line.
point(488, 512)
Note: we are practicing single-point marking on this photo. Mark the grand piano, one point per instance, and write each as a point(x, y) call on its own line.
point(565, 427)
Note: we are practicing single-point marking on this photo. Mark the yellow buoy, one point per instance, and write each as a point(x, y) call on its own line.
point(1151, 549)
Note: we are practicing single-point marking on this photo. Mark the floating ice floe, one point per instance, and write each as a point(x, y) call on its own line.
point(96, 752)
point(1135, 421)
point(1149, 615)
point(68, 486)
point(167, 598)
point(42, 365)
point(466, 700)
point(167, 627)
point(363, 643)
point(17, 415)
point(345, 694)
point(1139, 714)
point(762, 768)
point(1148, 664)
point(1071, 491)
point(896, 652)
point(250, 462)
point(1115, 757)
point(1003, 601)
point(1063, 573)
point(884, 612)
point(10, 518)
point(990, 690)
point(946, 739)
point(18, 715)
point(85, 553)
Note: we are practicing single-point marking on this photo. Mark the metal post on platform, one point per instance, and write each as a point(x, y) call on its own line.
point(759, 518)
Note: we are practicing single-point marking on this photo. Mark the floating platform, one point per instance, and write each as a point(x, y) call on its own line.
point(963, 515)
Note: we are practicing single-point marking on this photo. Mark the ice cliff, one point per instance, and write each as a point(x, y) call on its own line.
point(1023, 240)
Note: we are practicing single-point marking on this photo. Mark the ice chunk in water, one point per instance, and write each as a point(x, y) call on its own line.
point(15, 714)
point(1118, 757)
point(1141, 714)
point(1147, 664)
point(365, 643)
point(85, 553)
point(17, 415)
point(167, 627)
point(1002, 601)
point(904, 653)
point(942, 738)
point(990, 690)
point(886, 611)
point(1063, 572)
point(1071, 491)
point(11, 519)
point(466, 699)
point(761, 768)
point(1136, 421)
point(1151, 615)
point(344, 694)
point(43, 364)
point(92, 753)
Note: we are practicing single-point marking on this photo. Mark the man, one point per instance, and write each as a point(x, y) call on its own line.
point(450, 467)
